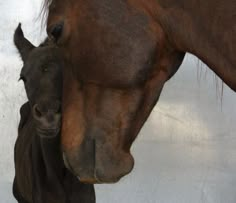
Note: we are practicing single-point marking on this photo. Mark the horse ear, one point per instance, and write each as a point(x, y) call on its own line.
point(23, 45)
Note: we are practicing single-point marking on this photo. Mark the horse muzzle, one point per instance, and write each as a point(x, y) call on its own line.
point(96, 162)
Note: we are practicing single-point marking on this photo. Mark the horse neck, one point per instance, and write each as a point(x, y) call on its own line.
point(206, 29)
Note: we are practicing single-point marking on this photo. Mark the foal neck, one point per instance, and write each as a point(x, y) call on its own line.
point(52, 156)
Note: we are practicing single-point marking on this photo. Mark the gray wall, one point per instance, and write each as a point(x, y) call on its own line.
point(186, 152)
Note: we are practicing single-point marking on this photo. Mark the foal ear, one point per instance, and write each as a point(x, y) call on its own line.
point(23, 45)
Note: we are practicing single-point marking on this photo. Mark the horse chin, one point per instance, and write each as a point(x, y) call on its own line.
point(101, 170)
point(95, 180)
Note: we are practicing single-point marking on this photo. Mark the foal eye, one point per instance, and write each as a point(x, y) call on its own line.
point(44, 69)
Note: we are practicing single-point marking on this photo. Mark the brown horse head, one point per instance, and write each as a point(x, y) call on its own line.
point(120, 59)
point(119, 55)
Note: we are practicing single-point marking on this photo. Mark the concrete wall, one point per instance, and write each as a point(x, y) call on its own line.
point(186, 152)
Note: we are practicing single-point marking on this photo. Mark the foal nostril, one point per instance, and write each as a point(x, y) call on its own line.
point(47, 110)
point(36, 111)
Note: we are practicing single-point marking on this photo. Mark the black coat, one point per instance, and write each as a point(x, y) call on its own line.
point(40, 174)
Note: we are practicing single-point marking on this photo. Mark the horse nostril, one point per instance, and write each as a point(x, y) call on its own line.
point(36, 111)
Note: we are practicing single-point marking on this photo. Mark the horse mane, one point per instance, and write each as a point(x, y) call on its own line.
point(47, 3)
point(44, 12)
point(202, 74)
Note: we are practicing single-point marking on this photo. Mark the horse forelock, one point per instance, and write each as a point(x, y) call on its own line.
point(45, 6)
point(47, 2)
point(44, 12)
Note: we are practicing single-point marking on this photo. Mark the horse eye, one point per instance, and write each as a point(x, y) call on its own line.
point(22, 78)
point(55, 31)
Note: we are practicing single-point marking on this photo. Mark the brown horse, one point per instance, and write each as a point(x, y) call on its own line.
point(120, 53)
